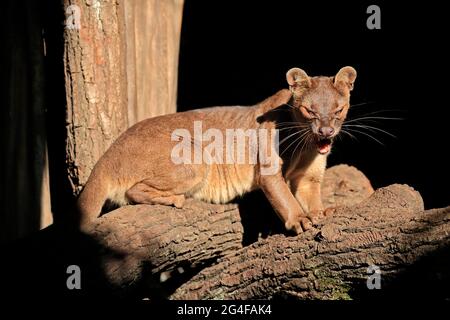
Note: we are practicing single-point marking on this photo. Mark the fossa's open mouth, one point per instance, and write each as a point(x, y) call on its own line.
point(323, 145)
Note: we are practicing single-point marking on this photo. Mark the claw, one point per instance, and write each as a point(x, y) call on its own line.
point(315, 216)
point(300, 225)
point(306, 223)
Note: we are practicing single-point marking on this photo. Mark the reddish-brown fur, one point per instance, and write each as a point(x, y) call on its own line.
point(138, 167)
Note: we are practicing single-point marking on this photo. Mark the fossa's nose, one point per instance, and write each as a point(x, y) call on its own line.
point(326, 132)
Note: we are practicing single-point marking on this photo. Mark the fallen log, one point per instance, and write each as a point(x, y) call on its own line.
point(240, 251)
point(388, 232)
point(162, 239)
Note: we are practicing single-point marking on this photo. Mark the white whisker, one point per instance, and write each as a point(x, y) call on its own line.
point(366, 134)
point(369, 128)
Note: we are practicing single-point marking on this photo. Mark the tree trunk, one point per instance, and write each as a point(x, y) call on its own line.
point(95, 77)
point(153, 30)
point(24, 192)
point(120, 64)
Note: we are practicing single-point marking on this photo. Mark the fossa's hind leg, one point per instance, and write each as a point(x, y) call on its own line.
point(144, 193)
point(168, 187)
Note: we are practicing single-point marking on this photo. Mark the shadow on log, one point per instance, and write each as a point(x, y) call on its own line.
point(239, 251)
point(389, 230)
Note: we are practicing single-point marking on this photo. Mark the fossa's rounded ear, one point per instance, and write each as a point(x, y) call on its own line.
point(346, 76)
point(298, 77)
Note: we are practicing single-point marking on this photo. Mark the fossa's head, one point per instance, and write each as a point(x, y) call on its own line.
point(321, 103)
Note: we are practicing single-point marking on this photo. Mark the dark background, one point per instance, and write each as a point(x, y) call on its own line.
point(238, 52)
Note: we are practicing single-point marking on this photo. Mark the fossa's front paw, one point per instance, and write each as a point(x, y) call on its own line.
point(298, 225)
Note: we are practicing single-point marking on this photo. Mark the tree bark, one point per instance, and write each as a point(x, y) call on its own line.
point(95, 77)
point(389, 229)
point(205, 252)
point(153, 30)
point(168, 237)
point(331, 261)
point(120, 64)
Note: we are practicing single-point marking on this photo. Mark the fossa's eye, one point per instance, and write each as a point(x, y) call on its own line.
point(338, 112)
point(310, 113)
